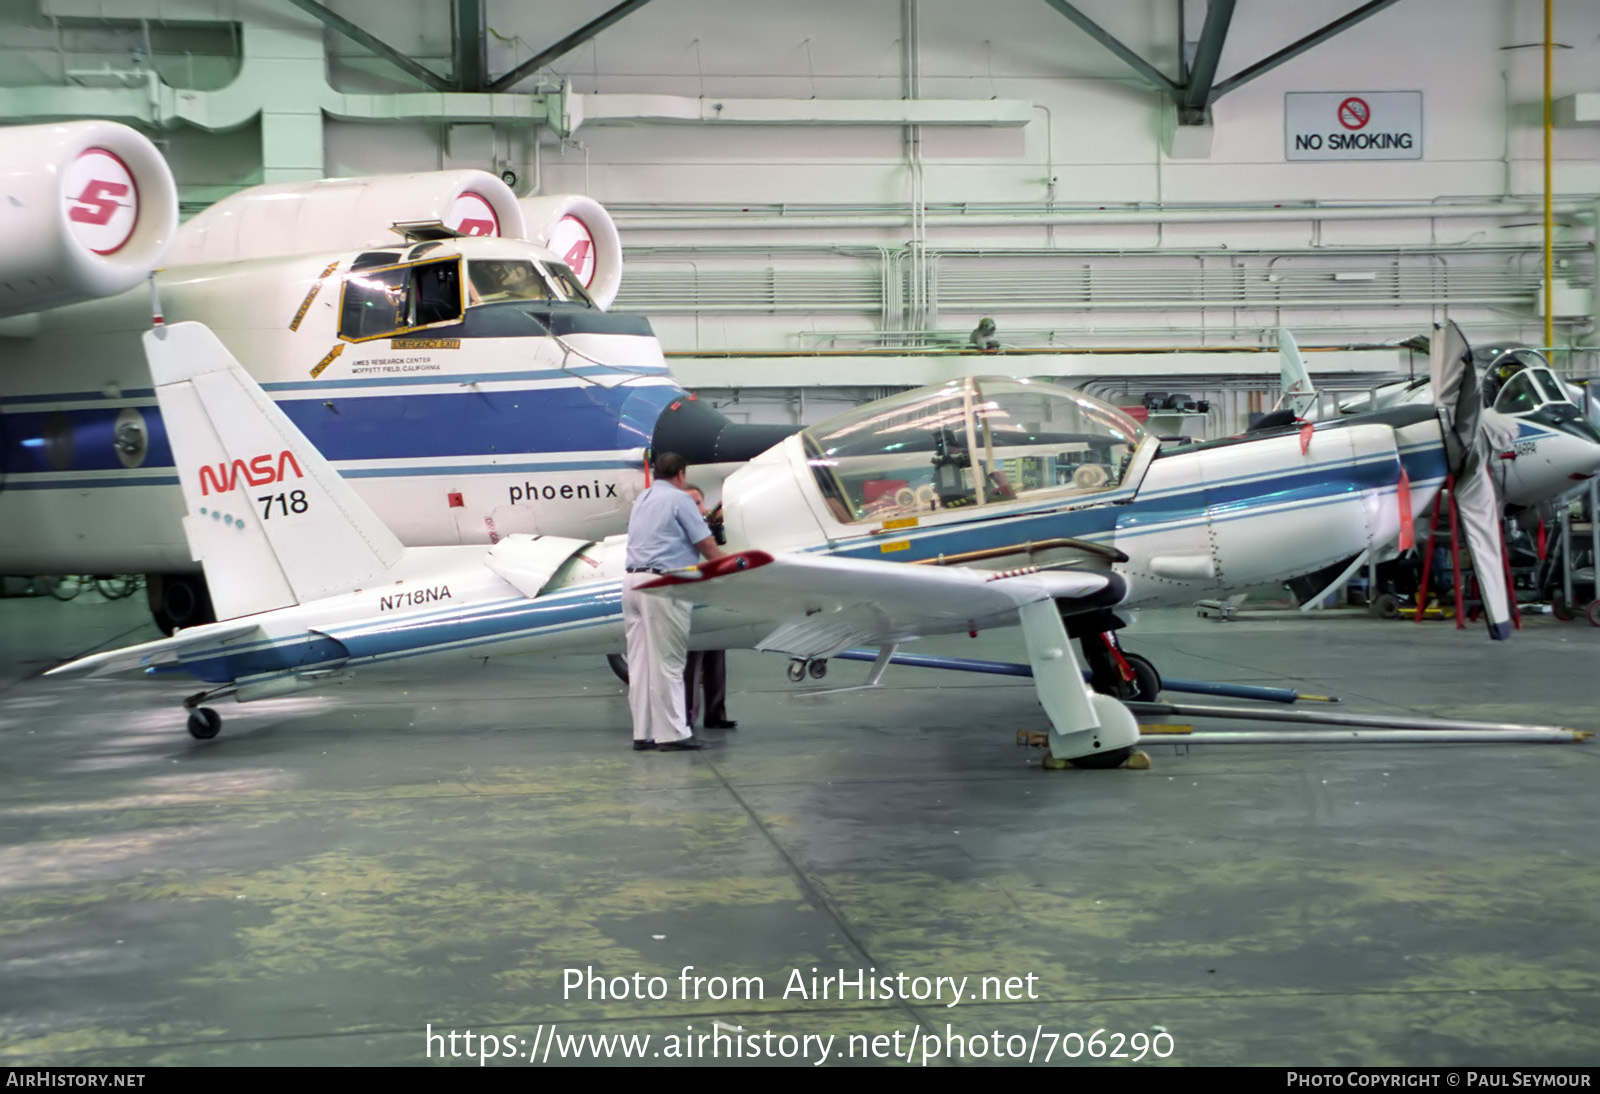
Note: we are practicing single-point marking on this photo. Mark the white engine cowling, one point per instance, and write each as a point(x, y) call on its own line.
point(343, 214)
point(87, 210)
point(583, 235)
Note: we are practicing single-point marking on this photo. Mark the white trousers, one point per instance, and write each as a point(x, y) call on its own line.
point(658, 645)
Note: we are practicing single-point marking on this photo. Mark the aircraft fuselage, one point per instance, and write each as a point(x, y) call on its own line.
point(521, 415)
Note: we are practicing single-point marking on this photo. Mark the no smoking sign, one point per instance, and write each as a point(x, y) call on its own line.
point(1336, 125)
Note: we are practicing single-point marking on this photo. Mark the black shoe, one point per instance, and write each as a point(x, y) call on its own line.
point(722, 723)
point(686, 745)
point(643, 746)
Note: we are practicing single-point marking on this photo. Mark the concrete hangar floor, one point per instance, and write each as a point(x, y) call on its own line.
point(336, 875)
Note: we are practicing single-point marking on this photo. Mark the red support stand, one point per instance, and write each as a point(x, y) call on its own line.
point(1427, 555)
point(1447, 496)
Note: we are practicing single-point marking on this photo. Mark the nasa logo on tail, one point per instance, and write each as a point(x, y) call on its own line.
point(259, 471)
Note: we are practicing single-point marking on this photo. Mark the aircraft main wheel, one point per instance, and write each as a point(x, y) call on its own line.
point(796, 671)
point(1562, 609)
point(1102, 761)
point(204, 723)
point(1146, 684)
point(817, 669)
point(619, 665)
point(1385, 606)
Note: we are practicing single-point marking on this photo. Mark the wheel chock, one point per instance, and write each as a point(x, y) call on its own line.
point(1052, 763)
point(1138, 760)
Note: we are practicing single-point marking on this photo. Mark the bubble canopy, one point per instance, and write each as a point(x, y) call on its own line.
point(972, 442)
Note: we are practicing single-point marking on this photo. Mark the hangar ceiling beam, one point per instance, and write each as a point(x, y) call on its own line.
point(1294, 49)
point(1197, 93)
point(570, 42)
point(471, 51)
point(1105, 38)
point(381, 48)
point(1197, 88)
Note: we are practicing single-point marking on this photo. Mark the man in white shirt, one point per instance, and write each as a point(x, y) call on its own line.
point(665, 532)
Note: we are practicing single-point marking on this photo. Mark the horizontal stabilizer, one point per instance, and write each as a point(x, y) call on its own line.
point(163, 651)
point(529, 562)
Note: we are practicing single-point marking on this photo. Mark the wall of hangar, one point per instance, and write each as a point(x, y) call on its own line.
point(1070, 212)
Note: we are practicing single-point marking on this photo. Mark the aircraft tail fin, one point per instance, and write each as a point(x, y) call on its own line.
point(269, 519)
point(1297, 391)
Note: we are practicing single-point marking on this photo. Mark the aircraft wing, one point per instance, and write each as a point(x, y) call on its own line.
point(161, 651)
point(818, 604)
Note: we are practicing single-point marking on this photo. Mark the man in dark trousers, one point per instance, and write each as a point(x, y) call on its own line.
point(707, 666)
point(665, 532)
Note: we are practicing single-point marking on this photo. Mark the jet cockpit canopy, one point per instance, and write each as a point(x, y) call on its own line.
point(1518, 381)
point(971, 442)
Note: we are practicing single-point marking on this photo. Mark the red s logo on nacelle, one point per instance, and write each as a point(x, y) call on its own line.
point(260, 471)
point(97, 204)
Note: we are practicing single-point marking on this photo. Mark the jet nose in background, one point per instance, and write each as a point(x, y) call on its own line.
point(702, 434)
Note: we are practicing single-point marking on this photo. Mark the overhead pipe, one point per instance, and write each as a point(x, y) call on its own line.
point(1090, 217)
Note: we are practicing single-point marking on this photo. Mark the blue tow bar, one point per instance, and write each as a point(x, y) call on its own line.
point(1010, 668)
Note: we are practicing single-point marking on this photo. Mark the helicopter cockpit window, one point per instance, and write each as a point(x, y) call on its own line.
point(568, 285)
point(391, 300)
point(498, 279)
point(965, 444)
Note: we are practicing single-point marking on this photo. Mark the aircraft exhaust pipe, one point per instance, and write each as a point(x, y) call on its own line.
point(1343, 718)
point(702, 434)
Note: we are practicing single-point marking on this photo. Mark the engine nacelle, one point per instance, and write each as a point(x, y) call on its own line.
point(346, 214)
point(87, 210)
point(583, 235)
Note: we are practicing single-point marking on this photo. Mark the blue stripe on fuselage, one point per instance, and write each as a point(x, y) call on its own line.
point(581, 418)
point(1144, 514)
